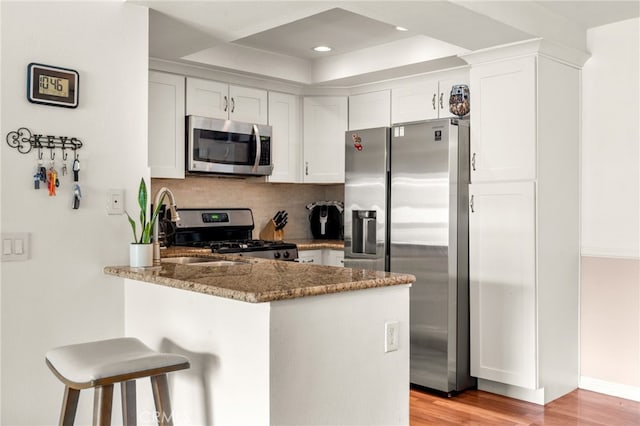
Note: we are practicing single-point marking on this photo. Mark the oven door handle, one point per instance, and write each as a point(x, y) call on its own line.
point(256, 163)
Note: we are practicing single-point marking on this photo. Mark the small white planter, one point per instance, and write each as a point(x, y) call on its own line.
point(140, 255)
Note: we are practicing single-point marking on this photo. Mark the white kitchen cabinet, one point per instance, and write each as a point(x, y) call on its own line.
point(325, 124)
point(523, 222)
point(284, 118)
point(415, 102)
point(166, 133)
point(503, 120)
point(502, 266)
point(311, 256)
point(370, 110)
point(333, 257)
point(327, 257)
point(214, 99)
point(425, 100)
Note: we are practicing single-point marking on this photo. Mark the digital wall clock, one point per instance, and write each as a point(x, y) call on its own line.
point(52, 85)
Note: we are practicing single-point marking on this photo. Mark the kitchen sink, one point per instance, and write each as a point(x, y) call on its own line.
point(200, 261)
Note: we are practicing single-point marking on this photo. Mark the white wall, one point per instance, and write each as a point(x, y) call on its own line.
point(610, 282)
point(60, 295)
point(610, 142)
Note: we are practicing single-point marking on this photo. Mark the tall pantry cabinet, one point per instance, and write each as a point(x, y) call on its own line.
point(524, 219)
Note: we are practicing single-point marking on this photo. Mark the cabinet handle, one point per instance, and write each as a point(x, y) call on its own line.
point(471, 205)
point(306, 168)
point(233, 105)
point(473, 162)
point(433, 101)
point(441, 96)
point(226, 104)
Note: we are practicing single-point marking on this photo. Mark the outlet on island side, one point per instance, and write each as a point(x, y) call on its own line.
point(391, 336)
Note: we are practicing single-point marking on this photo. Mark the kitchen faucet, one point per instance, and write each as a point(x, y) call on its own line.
point(174, 216)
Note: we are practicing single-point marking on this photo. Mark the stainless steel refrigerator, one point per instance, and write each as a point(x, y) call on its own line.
point(406, 198)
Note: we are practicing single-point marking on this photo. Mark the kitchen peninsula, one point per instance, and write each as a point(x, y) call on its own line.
point(273, 342)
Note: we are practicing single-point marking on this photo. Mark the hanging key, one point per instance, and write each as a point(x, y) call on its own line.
point(76, 169)
point(36, 181)
point(64, 168)
point(77, 194)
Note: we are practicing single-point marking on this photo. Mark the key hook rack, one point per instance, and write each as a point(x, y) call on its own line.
point(24, 141)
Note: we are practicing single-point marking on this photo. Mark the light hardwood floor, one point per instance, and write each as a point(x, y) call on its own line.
point(475, 407)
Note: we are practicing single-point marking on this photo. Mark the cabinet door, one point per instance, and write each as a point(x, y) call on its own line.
point(444, 92)
point(325, 123)
point(502, 283)
point(310, 256)
point(503, 121)
point(248, 105)
point(370, 110)
point(414, 103)
point(333, 257)
point(207, 98)
point(166, 125)
point(284, 118)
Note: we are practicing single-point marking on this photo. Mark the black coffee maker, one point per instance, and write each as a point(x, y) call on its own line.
point(325, 219)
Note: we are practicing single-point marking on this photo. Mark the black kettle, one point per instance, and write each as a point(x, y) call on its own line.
point(325, 219)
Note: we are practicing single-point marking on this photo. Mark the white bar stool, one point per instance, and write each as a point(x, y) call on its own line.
point(101, 364)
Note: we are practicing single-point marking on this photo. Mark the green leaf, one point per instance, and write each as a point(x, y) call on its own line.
point(142, 202)
point(133, 227)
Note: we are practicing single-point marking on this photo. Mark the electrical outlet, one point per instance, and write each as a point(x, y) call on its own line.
point(115, 201)
point(391, 329)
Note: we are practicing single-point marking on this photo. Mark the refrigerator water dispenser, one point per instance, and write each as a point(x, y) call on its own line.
point(364, 231)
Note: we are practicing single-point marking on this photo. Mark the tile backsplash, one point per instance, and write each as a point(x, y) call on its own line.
point(264, 199)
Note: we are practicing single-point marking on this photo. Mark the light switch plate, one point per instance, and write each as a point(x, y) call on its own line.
point(115, 201)
point(15, 246)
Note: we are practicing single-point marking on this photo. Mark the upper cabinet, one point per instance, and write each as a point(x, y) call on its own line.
point(219, 100)
point(325, 124)
point(503, 121)
point(284, 119)
point(425, 100)
point(166, 125)
point(370, 110)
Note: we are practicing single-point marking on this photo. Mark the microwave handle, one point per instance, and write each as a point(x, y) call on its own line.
point(258, 149)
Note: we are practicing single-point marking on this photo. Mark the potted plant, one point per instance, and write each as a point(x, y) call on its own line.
point(141, 249)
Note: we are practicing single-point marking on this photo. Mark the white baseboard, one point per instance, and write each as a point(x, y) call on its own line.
point(609, 388)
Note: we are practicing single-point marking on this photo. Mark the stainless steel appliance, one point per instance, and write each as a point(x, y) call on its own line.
point(406, 197)
point(228, 147)
point(226, 231)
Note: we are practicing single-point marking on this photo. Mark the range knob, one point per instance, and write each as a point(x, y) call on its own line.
point(276, 255)
point(286, 255)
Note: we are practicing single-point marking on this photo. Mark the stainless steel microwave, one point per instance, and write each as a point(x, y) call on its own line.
point(228, 147)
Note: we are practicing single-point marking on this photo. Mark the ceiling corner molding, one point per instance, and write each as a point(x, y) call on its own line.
point(536, 46)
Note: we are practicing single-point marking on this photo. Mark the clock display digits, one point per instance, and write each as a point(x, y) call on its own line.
point(56, 86)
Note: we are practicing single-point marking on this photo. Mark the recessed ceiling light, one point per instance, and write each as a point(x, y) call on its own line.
point(322, 49)
point(401, 29)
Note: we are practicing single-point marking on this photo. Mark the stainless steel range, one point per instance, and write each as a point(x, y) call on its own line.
point(226, 231)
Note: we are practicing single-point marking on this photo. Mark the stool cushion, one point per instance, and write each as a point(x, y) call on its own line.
point(110, 361)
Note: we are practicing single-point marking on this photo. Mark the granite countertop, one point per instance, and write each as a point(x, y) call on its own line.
point(317, 244)
point(257, 280)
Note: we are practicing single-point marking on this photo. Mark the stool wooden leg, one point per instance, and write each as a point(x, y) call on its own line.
point(160, 388)
point(102, 399)
point(128, 392)
point(69, 406)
